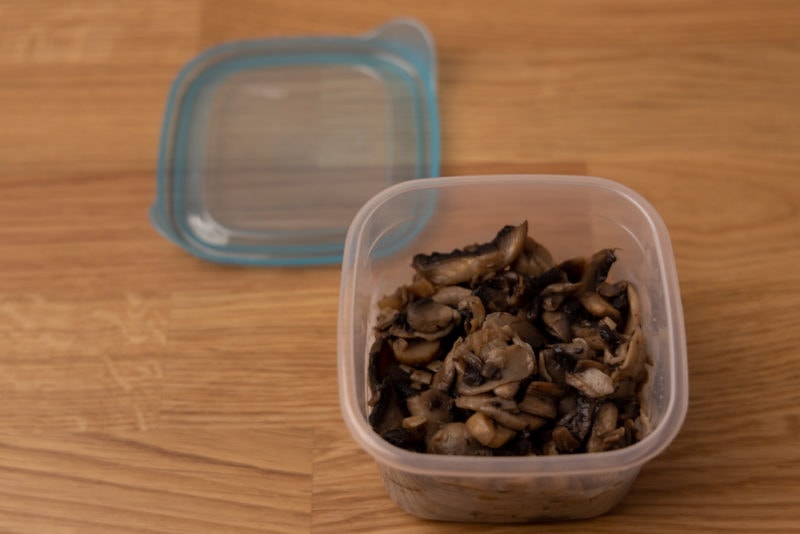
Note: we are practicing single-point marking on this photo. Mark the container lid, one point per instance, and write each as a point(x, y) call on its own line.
point(270, 147)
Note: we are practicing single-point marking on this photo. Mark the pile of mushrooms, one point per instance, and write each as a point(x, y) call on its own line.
point(494, 349)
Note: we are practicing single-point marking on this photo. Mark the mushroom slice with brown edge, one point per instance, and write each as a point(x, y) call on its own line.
point(504, 411)
point(451, 295)
point(487, 431)
point(605, 432)
point(510, 363)
point(435, 406)
point(415, 352)
point(578, 421)
point(428, 316)
point(592, 382)
point(632, 365)
point(598, 306)
point(534, 259)
point(475, 313)
point(577, 349)
point(634, 311)
point(519, 326)
point(455, 439)
point(540, 404)
point(557, 324)
point(474, 261)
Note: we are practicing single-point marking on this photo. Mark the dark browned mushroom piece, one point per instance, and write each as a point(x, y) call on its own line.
point(463, 265)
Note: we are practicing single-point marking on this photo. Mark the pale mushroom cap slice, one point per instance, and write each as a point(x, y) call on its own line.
point(592, 382)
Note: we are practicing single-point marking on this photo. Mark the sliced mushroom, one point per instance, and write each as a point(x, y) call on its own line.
point(451, 295)
point(563, 440)
point(444, 377)
point(475, 313)
point(611, 291)
point(534, 259)
point(421, 287)
point(634, 357)
point(598, 306)
point(590, 331)
point(386, 318)
point(579, 419)
point(415, 425)
point(510, 363)
point(433, 405)
point(386, 413)
point(515, 325)
point(550, 389)
point(554, 367)
point(557, 324)
point(539, 404)
point(507, 391)
point(429, 316)
point(471, 262)
point(455, 439)
point(504, 411)
point(605, 433)
point(485, 430)
point(634, 311)
point(578, 349)
point(592, 382)
point(415, 352)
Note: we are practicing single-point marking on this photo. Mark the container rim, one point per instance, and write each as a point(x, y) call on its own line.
point(480, 467)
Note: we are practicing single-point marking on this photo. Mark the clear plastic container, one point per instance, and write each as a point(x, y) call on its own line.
point(572, 216)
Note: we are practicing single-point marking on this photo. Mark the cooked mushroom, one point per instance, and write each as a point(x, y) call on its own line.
point(564, 441)
point(489, 433)
point(592, 382)
point(634, 357)
point(415, 352)
point(415, 425)
point(557, 324)
point(534, 259)
point(578, 349)
point(605, 433)
point(451, 295)
point(429, 316)
point(386, 412)
point(634, 311)
point(510, 363)
point(578, 421)
point(433, 405)
point(539, 404)
point(598, 306)
point(474, 261)
point(455, 439)
point(504, 411)
point(494, 349)
point(474, 312)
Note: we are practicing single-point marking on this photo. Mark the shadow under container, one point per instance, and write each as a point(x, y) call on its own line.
point(572, 216)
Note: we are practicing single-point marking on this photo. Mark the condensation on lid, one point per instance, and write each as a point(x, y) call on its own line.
point(270, 147)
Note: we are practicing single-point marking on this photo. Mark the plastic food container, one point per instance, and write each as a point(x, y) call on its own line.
point(572, 216)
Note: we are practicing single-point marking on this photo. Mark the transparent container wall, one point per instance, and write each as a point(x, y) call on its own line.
point(523, 498)
point(572, 220)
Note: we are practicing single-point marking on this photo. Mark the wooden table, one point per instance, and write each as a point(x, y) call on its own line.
point(143, 390)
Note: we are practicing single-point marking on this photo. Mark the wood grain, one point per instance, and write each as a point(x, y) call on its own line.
point(143, 390)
